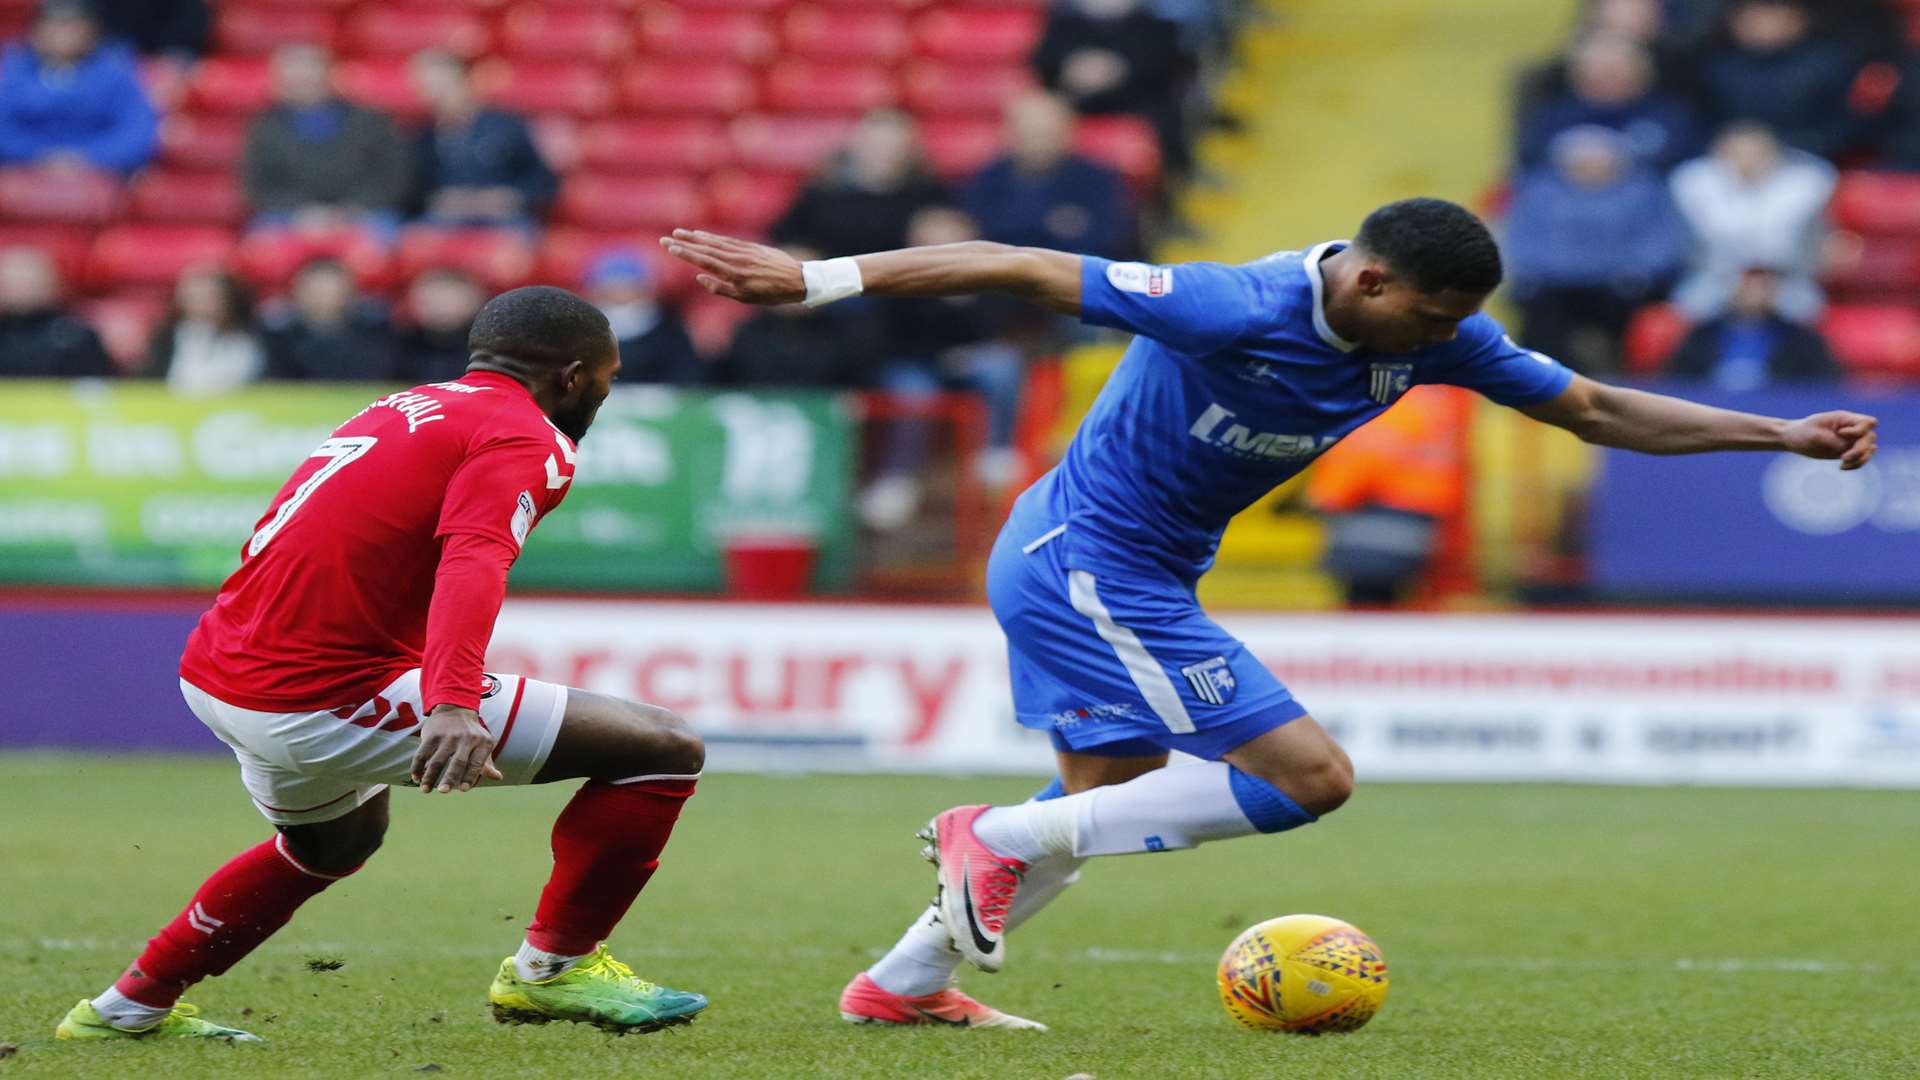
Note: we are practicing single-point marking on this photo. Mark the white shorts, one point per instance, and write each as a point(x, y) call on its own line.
point(306, 767)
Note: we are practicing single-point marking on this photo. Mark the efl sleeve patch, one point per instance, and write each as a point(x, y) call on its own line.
point(1141, 278)
point(522, 518)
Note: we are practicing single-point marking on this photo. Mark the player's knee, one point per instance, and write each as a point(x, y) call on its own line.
point(342, 845)
point(1325, 785)
point(666, 744)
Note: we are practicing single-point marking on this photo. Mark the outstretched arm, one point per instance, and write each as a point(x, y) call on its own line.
point(1655, 424)
point(757, 274)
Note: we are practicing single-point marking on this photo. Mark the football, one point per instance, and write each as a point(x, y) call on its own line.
point(1308, 974)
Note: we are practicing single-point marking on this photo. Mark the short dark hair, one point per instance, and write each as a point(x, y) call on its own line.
point(1436, 244)
point(540, 324)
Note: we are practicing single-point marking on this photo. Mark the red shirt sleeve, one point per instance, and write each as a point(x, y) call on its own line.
point(493, 501)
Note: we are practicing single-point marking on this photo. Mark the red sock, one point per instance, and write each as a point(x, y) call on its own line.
point(606, 844)
point(237, 908)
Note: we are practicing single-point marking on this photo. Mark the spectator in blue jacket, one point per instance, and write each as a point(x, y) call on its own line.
point(474, 165)
point(1042, 194)
point(1589, 239)
point(68, 98)
point(1611, 84)
point(1775, 69)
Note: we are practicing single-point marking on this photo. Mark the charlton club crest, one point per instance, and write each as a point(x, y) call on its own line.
point(1389, 381)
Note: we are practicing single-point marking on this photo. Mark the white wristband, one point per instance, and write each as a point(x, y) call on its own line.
point(830, 279)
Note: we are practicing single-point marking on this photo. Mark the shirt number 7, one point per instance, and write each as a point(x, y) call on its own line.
point(340, 453)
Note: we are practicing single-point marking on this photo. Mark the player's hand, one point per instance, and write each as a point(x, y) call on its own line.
point(456, 751)
point(1848, 436)
point(747, 272)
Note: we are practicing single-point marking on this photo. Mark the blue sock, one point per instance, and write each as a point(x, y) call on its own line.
point(1269, 808)
point(1053, 790)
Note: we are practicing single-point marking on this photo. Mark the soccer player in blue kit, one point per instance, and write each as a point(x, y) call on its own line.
point(1237, 378)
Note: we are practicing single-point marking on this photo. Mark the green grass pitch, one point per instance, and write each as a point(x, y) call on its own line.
point(1533, 931)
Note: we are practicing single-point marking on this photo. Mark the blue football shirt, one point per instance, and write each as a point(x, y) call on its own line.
point(1233, 384)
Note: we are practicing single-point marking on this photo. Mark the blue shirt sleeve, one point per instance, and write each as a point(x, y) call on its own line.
point(1484, 359)
point(1192, 308)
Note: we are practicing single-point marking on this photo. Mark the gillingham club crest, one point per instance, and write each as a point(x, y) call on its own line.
point(1389, 380)
point(1211, 680)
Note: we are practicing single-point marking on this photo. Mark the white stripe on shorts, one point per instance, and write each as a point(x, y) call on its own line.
point(1148, 676)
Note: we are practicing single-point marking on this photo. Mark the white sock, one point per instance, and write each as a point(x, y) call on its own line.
point(1164, 810)
point(924, 959)
point(123, 1012)
point(1030, 831)
point(538, 965)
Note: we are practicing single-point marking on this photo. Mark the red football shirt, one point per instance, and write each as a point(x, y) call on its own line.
point(387, 549)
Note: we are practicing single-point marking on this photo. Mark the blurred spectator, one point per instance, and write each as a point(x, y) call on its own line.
point(68, 98)
point(1753, 344)
point(207, 343)
point(867, 192)
point(1774, 69)
point(443, 302)
point(1114, 56)
point(177, 28)
point(654, 346)
point(473, 165)
point(330, 331)
point(1042, 194)
point(1752, 202)
point(1590, 238)
point(792, 345)
point(1610, 84)
point(314, 160)
point(37, 337)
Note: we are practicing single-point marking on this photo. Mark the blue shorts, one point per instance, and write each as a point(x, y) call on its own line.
point(1120, 665)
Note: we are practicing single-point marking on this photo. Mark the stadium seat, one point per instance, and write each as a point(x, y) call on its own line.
point(165, 78)
point(530, 86)
point(807, 86)
point(387, 29)
point(196, 141)
point(763, 6)
point(1875, 339)
point(1126, 143)
point(269, 257)
point(978, 35)
point(336, 5)
point(502, 258)
point(634, 203)
point(933, 88)
point(715, 87)
point(201, 197)
point(711, 321)
point(958, 146)
point(74, 197)
point(249, 28)
point(539, 31)
point(676, 144)
point(383, 83)
point(711, 35)
point(152, 255)
point(871, 35)
point(230, 85)
point(786, 143)
point(1872, 267)
point(1877, 202)
point(125, 323)
point(1651, 337)
point(66, 245)
point(567, 254)
point(747, 203)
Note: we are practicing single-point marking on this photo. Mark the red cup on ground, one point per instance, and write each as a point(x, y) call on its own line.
point(769, 565)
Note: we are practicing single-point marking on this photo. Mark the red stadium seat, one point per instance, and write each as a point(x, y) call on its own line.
point(567, 255)
point(806, 86)
point(872, 36)
point(579, 89)
point(502, 258)
point(747, 203)
point(66, 245)
point(201, 197)
point(1878, 202)
point(978, 35)
point(786, 143)
point(958, 146)
point(79, 197)
point(383, 83)
point(125, 323)
point(194, 141)
point(1875, 339)
point(389, 29)
point(153, 255)
point(539, 31)
point(1652, 335)
point(608, 202)
point(232, 85)
point(336, 5)
point(270, 257)
point(1126, 143)
point(711, 35)
point(249, 28)
point(1869, 267)
point(713, 87)
point(933, 88)
point(763, 6)
point(681, 144)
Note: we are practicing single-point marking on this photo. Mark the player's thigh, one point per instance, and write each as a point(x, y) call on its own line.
point(1301, 759)
point(608, 738)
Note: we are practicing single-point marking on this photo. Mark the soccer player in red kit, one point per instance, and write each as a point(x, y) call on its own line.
point(345, 653)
